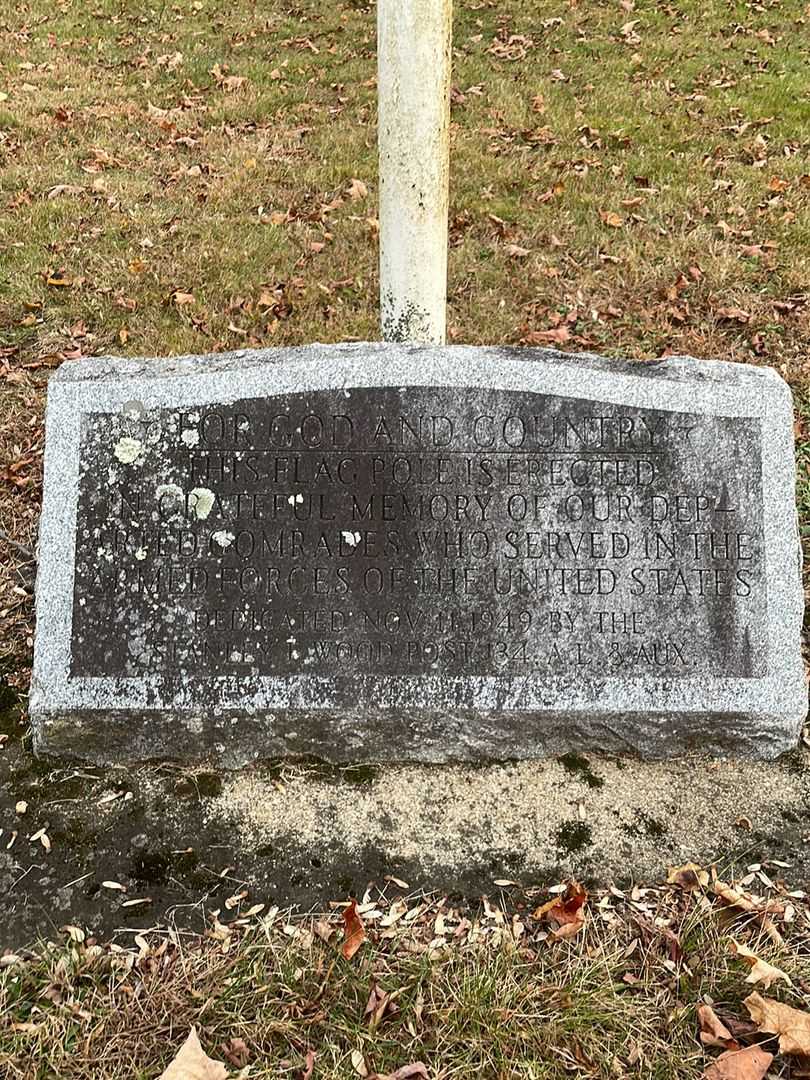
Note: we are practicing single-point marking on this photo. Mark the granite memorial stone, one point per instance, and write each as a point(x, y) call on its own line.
point(384, 552)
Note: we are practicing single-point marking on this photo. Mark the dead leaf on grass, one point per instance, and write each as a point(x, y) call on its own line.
point(734, 314)
point(405, 1072)
point(738, 898)
point(749, 1064)
point(379, 1005)
point(359, 1063)
point(192, 1063)
point(791, 1025)
point(689, 876)
point(356, 189)
point(237, 1052)
point(761, 970)
point(713, 1032)
point(557, 336)
point(228, 83)
point(611, 219)
point(567, 910)
point(354, 931)
point(64, 189)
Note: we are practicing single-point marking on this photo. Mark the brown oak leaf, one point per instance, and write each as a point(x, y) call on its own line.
point(791, 1025)
point(567, 910)
point(354, 933)
point(192, 1063)
point(713, 1032)
point(761, 970)
point(749, 1064)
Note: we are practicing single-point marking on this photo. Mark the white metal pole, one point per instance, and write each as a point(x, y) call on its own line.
point(413, 82)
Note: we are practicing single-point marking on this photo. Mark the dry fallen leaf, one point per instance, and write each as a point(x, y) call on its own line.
point(739, 898)
point(64, 189)
point(567, 910)
point(237, 1052)
point(749, 1064)
point(354, 931)
point(514, 251)
point(192, 1063)
point(356, 189)
point(713, 1032)
point(791, 1025)
point(611, 219)
point(359, 1063)
point(689, 876)
point(761, 971)
point(405, 1072)
point(558, 335)
point(733, 314)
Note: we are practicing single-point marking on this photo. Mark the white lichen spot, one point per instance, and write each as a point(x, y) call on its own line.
point(224, 538)
point(201, 501)
point(82, 601)
point(293, 499)
point(168, 489)
point(112, 475)
point(140, 554)
point(128, 450)
point(351, 538)
point(194, 417)
point(294, 655)
point(190, 437)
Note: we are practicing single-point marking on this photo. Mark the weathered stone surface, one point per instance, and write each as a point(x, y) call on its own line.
point(380, 552)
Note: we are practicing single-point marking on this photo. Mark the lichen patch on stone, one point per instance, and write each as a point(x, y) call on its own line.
point(201, 501)
point(128, 450)
point(223, 538)
point(168, 489)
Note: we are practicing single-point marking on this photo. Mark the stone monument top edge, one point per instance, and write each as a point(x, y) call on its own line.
point(675, 367)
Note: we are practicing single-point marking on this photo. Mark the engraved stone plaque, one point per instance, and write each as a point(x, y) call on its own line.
point(389, 552)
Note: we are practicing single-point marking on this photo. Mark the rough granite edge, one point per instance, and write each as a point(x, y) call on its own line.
point(676, 367)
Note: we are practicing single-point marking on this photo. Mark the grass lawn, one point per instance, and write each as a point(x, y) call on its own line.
point(490, 994)
point(630, 177)
point(627, 177)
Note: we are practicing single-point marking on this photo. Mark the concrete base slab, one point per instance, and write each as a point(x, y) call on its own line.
point(184, 841)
